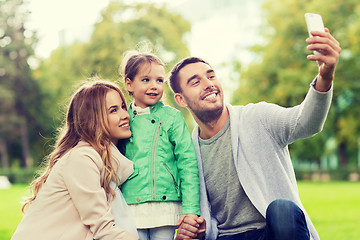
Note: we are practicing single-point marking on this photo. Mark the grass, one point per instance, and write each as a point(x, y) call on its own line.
point(333, 208)
point(10, 209)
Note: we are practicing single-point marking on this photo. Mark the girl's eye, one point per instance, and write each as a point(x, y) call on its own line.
point(145, 80)
point(124, 107)
point(160, 80)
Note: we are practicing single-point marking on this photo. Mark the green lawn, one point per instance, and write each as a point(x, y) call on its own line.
point(333, 207)
point(10, 209)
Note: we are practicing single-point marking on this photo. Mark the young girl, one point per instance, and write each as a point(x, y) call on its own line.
point(71, 199)
point(165, 185)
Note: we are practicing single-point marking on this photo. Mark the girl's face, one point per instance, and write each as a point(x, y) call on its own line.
point(147, 86)
point(117, 115)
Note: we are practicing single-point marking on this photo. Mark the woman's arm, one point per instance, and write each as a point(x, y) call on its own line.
point(82, 176)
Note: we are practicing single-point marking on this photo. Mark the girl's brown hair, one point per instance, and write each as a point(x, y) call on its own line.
point(86, 119)
point(134, 60)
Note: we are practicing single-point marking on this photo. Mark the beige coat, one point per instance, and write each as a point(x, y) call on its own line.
point(72, 204)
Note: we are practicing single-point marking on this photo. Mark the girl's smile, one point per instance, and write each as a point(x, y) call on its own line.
point(147, 87)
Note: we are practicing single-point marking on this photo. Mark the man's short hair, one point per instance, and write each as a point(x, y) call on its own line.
point(174, 81)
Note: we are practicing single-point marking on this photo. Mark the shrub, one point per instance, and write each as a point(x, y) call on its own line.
point(341, 174)
point(19, 175)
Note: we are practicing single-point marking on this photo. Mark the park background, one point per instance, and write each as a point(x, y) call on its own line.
point(257, 48)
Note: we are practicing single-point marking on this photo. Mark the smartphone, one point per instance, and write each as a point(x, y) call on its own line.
point(314, 22)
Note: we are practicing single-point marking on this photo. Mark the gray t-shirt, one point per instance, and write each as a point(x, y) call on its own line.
point(229, 203)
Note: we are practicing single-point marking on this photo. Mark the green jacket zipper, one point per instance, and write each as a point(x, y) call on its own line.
point(173, 178)
point(153, 159)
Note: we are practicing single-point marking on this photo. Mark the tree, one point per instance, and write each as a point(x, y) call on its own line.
point(282, 73)
point(19, 93)
point(8, 121)
point(124, 26)
point(121, 28)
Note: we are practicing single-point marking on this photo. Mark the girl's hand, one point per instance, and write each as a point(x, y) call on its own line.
point(192, 216)
point(190, 226)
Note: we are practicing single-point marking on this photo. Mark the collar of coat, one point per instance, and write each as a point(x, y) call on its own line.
point(134, 110)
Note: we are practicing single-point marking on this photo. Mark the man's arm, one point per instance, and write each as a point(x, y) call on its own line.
point(330, 52)
point(289, 124)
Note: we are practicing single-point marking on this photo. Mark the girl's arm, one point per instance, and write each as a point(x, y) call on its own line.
point(184, 152)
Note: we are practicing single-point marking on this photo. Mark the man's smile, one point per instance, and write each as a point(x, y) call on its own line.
point(210, 95)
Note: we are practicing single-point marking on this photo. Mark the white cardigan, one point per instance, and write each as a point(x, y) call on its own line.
point(260, 134)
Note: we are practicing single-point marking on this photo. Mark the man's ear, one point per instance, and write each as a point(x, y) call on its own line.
point(128, 85)
point(180, 100)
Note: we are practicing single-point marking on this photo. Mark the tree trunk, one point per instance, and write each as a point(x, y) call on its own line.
point(20, 89)
point(25, 142)
point(343, 160)
point(4, 154)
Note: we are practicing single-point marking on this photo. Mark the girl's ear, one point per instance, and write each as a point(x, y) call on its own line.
point(180, 100)
point(128, 85)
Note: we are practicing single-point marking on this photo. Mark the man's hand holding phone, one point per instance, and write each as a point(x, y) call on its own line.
point(314, 22)
point(320, 40)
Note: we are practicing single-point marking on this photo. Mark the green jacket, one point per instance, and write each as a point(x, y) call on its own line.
point(165, 165)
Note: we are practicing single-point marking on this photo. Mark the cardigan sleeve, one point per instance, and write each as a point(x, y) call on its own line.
point(286, 125)
point(82, 176)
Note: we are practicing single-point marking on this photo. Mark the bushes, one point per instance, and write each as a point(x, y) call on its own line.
point(25, 176)
point(19, 175)
point(341, 174)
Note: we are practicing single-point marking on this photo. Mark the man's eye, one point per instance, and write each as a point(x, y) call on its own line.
point(195, 82)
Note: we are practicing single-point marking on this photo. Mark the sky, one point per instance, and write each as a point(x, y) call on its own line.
point(216, 37)
point(49, 17)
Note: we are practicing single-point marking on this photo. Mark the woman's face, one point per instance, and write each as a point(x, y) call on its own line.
point(117, 115)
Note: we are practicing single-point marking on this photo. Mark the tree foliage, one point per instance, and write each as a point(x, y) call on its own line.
point(121, 28)
point(20, 96)
point(281, 73)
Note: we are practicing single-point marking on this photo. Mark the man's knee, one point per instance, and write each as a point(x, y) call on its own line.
point(284, 218)
point(283, 207)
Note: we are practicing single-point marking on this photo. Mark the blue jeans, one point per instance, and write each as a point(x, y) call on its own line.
point(284, 221)
point(158, 233)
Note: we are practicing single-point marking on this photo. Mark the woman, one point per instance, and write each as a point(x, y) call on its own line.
point(71, 199)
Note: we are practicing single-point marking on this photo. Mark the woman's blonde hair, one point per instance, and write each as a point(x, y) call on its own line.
point(86, 119)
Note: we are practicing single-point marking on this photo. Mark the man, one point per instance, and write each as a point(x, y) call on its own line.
point(248, 188)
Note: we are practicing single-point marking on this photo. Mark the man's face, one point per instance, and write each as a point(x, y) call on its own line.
point(201, 91)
